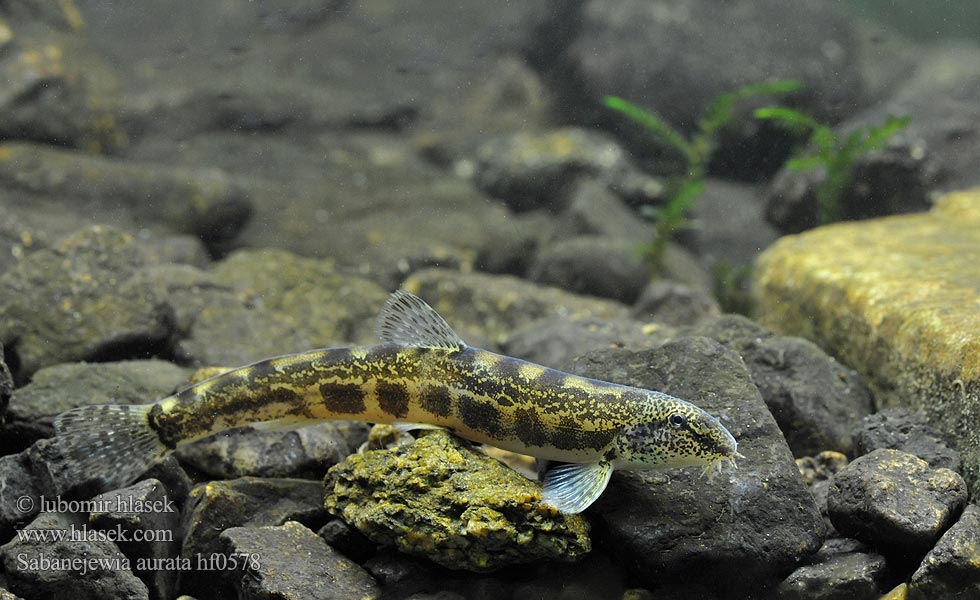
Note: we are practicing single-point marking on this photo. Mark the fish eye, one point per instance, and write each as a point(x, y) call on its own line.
point(677, 420)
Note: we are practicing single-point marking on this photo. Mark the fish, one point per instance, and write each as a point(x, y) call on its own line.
point(421, 375)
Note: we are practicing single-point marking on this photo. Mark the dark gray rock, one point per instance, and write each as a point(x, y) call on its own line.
point(674, 303)
point(306, 452)
point(61, 387)
point(595, 576)
point(206, 202)
point(845, 576)
point(85, 569)
point(731, 223)
point(6, 386)
point(895, 501)
point(402, 575)
point(149, 519)
point(248, 502)
point(224, 76)
point(905, 430)
point(607, 267)
point(685, 49)
point(555, 342)
point(534, 170)
point(100, 313)
point(281, 303)
point(271, 570)
point(815, 399)
point(347, 540)
point(951, 569)
point(593, 209)
point(40, 470)
point(748, 529)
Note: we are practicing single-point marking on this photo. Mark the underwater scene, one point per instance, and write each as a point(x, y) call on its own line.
point(453, 300)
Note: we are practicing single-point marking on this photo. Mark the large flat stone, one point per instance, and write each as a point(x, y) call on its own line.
point(896, 298)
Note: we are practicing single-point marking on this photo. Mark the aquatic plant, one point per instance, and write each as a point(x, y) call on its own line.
point(826, 151)
point(683, 190)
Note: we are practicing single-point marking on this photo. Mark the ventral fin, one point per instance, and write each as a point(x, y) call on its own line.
point(407, 320)
point(405, 427)
point(572, 488)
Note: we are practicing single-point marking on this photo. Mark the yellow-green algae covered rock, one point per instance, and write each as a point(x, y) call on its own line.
point(441, 499)
point(898, 299)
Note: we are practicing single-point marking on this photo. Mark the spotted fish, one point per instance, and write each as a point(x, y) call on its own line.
point(421, 374)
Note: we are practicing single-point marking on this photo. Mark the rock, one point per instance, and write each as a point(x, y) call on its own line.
point(149, 518)
point(593, 265)
point(895, 502)
point(593, 209)
point(305, 452)
point(5, 595)
point(689, 44)
point(38, 471)
point(83, 569)
point(674, 303)
point(440, 499)
point(347, 540)
point(905, 430)
point(747, 529)
point(554, 342)
point(271, 571)
point(847, 576)
point(206, 87)
point(532, 170)
point(206, 202)
point(952, 568)
point(935, 152)
point(57, 89)
point(282, 304)
point(61, 387)
point(815, 399)
point(731, 223)
point(892, 298)
point(6, 387)
point(247, 502)
point(100, 314)
point(491, 307)
point(818, 472)
point(596, 576)
point(821, 467)
point(17, 239)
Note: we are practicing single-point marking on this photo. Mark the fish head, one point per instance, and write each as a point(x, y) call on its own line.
point(675, 433)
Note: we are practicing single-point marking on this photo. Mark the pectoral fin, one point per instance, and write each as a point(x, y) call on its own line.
point(572, 488)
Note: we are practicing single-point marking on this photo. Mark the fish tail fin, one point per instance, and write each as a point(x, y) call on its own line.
point(111, 442)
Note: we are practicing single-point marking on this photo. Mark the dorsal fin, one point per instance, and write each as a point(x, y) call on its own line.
point(407, 320)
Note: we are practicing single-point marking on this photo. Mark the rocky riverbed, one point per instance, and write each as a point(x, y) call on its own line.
point(186, 191)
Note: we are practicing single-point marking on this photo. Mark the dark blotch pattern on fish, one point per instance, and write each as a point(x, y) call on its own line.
point(478, 415)
point(528, 427)
point(343, 398)
point(436, 400)
point(392, 398)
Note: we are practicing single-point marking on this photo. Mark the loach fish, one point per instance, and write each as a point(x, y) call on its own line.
point(424, 376)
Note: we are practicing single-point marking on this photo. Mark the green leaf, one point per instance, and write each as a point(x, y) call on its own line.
point(787, 116)
point(721, 111)
point(877, 136)
point(651, 121)
point(804, 163)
